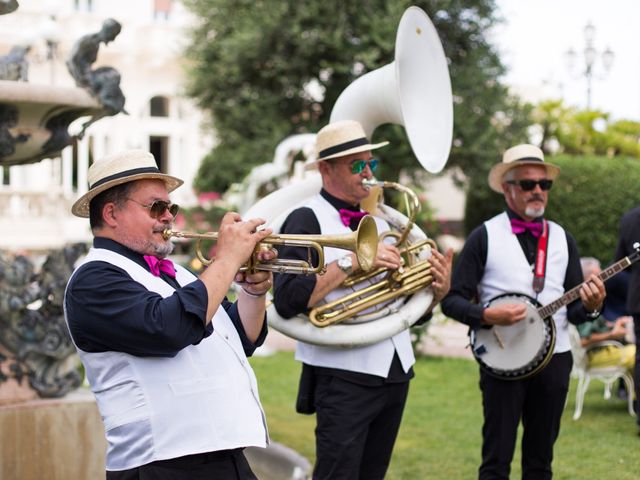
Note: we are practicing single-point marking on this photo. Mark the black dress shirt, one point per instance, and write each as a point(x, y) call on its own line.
point(461, 302)
point(109, 311)
point(292, 292)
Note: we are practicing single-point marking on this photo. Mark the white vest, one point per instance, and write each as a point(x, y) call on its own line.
point(204, 399)
point(371, 359)
point(508, 271)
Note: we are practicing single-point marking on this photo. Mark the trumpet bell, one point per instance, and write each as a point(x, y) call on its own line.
point(367, 243)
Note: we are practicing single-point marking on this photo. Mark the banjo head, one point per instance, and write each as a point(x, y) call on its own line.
point(518, 350)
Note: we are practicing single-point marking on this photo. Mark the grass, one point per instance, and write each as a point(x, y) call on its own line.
point(440, 434)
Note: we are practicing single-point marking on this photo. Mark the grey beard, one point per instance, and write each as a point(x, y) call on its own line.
point(534, 212)
point(146, 247)
point(164, 250)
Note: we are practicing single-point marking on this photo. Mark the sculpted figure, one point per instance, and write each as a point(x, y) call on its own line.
point(104, 82)
point(32, 328)
point(85, 52)
point(14, 65)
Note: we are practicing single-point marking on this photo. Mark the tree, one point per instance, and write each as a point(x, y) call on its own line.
point(254, 63)
point(584, 132)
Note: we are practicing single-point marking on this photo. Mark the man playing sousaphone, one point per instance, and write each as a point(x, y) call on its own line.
point(357, 393)
point(507, 255)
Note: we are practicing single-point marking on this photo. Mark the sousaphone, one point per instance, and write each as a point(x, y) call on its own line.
point(414, 91)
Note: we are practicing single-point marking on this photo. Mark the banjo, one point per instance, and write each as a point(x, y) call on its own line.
point(513, 352)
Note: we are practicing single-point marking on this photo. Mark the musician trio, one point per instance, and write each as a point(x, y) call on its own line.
point(166, 352)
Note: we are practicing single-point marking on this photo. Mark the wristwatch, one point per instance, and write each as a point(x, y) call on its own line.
point(346, 264)
point(593, 314)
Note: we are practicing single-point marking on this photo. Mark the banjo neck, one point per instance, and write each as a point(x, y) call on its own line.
point(574, 293)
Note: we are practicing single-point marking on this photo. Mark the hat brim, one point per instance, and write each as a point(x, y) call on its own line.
point(351, 151)
point(81, 207)
point(498, 171)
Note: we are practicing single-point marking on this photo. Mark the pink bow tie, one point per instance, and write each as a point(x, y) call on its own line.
point(347, 215)
point(157, 265)
point(519, 226)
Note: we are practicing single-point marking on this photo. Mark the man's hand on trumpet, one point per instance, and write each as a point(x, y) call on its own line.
point(237, 239)
point(236, 243)
point(257, 284)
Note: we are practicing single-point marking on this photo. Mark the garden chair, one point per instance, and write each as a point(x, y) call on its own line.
point(584, 373)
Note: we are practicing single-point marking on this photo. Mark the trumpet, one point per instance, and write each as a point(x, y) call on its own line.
point(363, 242)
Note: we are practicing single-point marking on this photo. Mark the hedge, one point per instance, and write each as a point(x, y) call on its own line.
point(588, 199)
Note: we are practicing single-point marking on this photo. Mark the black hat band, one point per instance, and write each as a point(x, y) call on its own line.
point(126, 173)
point(343, 147)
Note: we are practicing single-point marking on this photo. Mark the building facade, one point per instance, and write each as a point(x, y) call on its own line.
point(35, 199)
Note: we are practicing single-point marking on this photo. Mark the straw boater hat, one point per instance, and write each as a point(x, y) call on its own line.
point(516, 157)
point(121, 168)
point(342, 138)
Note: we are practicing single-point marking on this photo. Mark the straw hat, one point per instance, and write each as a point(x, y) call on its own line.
point(518, 156)
point(121, 168)
point(342, 138)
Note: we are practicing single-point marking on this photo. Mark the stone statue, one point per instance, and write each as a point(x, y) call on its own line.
point(104, 82)
point(8, 6)
point(32, 325)
point(14, 65)
point(8, 120)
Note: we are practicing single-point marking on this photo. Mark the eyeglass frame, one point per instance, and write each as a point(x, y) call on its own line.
point(545, 184)
point(358, 166)
point(164, 205)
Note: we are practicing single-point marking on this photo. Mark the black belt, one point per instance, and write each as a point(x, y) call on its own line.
point(200, 458)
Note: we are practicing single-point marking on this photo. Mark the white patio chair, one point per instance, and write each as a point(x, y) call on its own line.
point(584, 373)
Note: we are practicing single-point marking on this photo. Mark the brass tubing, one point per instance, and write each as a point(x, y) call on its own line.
point(350, 305)
point(363, 242)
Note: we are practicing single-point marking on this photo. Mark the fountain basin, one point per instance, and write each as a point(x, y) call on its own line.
point(34, 119)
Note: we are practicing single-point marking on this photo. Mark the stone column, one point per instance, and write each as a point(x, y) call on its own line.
point(67, 172)
point(83, 165)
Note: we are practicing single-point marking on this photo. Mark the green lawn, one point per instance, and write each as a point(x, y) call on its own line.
point(440, 434)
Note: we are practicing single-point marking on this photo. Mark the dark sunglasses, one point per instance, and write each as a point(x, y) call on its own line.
point(358, 166)
point(529, 185)
point(157, 208)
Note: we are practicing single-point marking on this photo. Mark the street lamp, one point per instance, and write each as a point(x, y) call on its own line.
point(590, 57)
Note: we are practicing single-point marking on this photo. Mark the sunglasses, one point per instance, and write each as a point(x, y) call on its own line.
point(357, 166)
point(529, 185)
point(157, 208)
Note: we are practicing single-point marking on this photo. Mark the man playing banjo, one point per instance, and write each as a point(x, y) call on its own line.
point(519, 252)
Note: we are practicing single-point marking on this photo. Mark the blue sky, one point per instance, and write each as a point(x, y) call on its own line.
point(537, 33)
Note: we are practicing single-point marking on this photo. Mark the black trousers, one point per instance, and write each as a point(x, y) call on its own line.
point(636, 370)
point(538, 402)
point(222, 465)
point(356, 427)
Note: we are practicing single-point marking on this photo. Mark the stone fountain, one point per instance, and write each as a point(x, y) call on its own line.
point(51, 425)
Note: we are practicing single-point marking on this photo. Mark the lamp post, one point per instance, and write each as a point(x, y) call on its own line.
point(590, 58)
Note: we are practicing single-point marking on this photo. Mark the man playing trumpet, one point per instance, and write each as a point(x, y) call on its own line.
point(165, 352)
point(358, 393)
